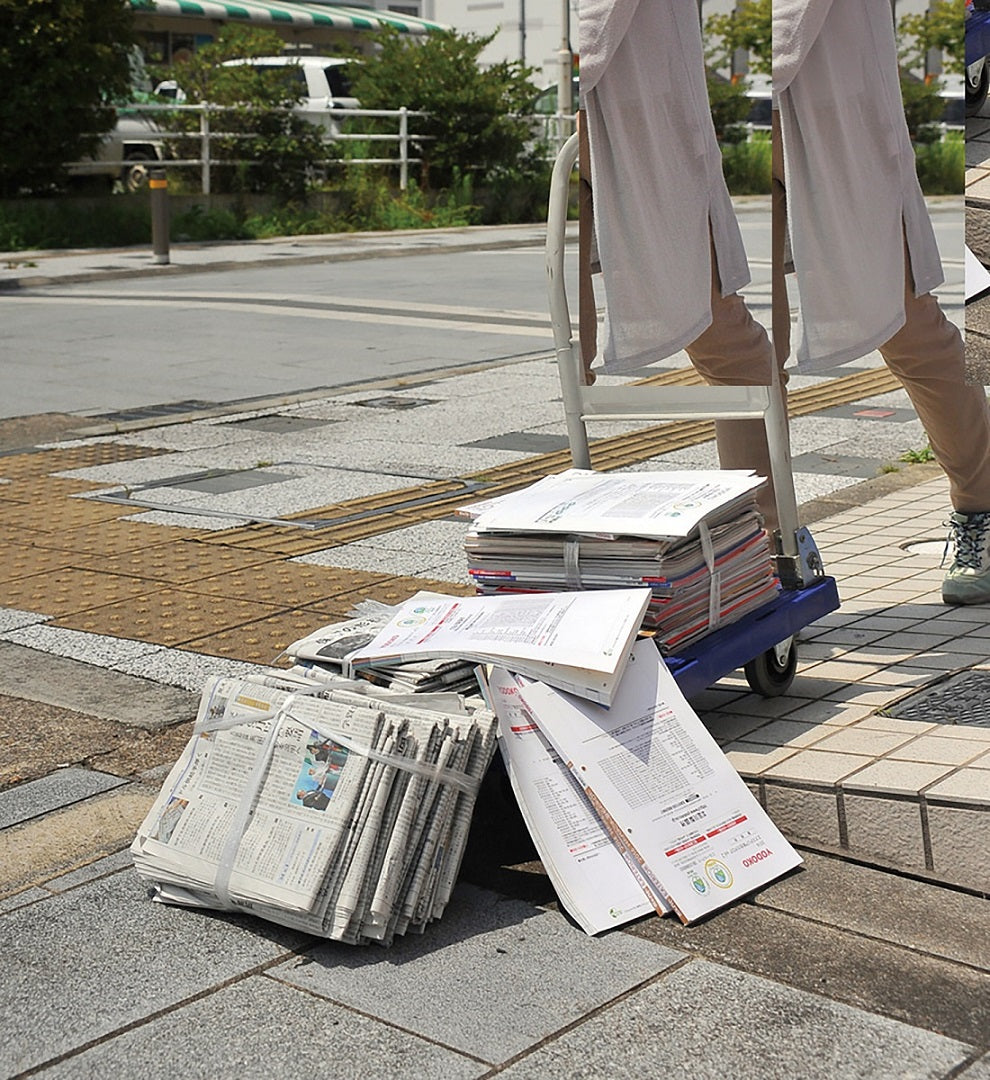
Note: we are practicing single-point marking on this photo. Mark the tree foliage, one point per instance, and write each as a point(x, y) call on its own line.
point(941, 27)
point(280, 145)
point(747, 27)
point(62, 65)
point(476, 124)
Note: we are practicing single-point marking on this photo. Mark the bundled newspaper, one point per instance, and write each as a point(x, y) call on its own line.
point(327, 653)
point(318, 807)
point(696, 539)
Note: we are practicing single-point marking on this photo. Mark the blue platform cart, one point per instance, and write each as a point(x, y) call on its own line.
point(763, 643)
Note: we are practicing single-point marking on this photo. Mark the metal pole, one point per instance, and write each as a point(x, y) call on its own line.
point(204, 147)
point(565, 99)
point(522, 31)
point(158, 186)
point(403, 148)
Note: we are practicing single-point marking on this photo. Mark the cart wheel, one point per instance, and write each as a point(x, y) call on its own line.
point(772, 672)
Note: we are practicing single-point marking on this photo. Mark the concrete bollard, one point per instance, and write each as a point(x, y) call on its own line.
point(158, 185)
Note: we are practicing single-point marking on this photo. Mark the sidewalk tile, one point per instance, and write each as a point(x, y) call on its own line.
point(889, 829)
point(52, 792)
point(896, 777)
point(552, 974)
point(259, 1027)
point(939, 751)
point(818, 766)
point(804, 813)
point(692, 1023)
point(102, 956)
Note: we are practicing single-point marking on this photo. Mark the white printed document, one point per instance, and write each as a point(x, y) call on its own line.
point(578, 641)
point(663, 787)
point(650, 504)
point(595, 884)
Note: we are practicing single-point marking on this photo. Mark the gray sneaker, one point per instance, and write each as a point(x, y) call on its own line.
point(967, 580)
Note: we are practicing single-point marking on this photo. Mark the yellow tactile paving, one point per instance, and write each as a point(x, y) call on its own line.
point(288, 583)
point(105, 538)
point(46, 462)
point(32, 488)
point(169, 616)
point(182, 561)
point(263, 641)
point(55, 515)
point(25, 562)
point(63, 592)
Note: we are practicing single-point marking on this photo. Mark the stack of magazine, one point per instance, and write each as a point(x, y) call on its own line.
point(317, 806)
point(695, 539)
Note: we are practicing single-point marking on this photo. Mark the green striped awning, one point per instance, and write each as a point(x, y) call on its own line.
point(290, 13)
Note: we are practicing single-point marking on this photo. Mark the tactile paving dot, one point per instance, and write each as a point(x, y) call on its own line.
point(107, 538)
point(167, 617)
point(65, 591)
point(61, 514)
point(398, 589)
point(289, 583)
point(43, 462)
point(27, 560)
point(260, 642)
point(32, 488)
point(184, 561)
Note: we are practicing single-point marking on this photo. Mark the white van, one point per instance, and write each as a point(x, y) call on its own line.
point(322, 83)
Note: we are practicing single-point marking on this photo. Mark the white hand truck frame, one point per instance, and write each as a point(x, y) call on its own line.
point(763, 643)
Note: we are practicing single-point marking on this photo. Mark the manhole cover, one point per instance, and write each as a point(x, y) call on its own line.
point(925, 547)
point(278, 424)
point(393, 401)
point(526, 442)
point(960, 699)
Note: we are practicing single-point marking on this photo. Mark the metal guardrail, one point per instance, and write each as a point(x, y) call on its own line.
point(552, 130)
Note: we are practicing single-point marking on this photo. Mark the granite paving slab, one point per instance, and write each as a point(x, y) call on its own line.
point(259, 1028)
point(103, 956)
point(442, 985)
point(52, 792)
point(710, 1022)
point(900, 910)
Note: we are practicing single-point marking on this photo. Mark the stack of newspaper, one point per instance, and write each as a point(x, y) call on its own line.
point(633, 809)
point(326, 654)
point(696, 539)
point(317, 806)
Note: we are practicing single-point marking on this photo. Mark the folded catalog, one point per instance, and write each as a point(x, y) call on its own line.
point(317, 807)
point(695, 539)
point(632, 809)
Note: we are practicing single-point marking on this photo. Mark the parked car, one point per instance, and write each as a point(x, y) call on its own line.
point(322, 82)
point(977, 52)
point(124, 155)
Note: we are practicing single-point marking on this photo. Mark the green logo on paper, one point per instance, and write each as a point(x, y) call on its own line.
point(718, 873)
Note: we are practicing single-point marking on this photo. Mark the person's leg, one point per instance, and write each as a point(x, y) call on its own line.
point(735, 351)
point(928, 356)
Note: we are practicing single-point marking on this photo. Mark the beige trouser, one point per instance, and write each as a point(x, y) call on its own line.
point(927, 355)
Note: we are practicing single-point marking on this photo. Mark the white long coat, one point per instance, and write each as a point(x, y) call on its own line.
point(656, 174)
point(853, 195)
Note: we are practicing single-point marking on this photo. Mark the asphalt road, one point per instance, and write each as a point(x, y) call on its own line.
point(228, 336)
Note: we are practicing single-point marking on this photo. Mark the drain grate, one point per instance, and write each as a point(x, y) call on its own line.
point(145, 412)
point(963, 698)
